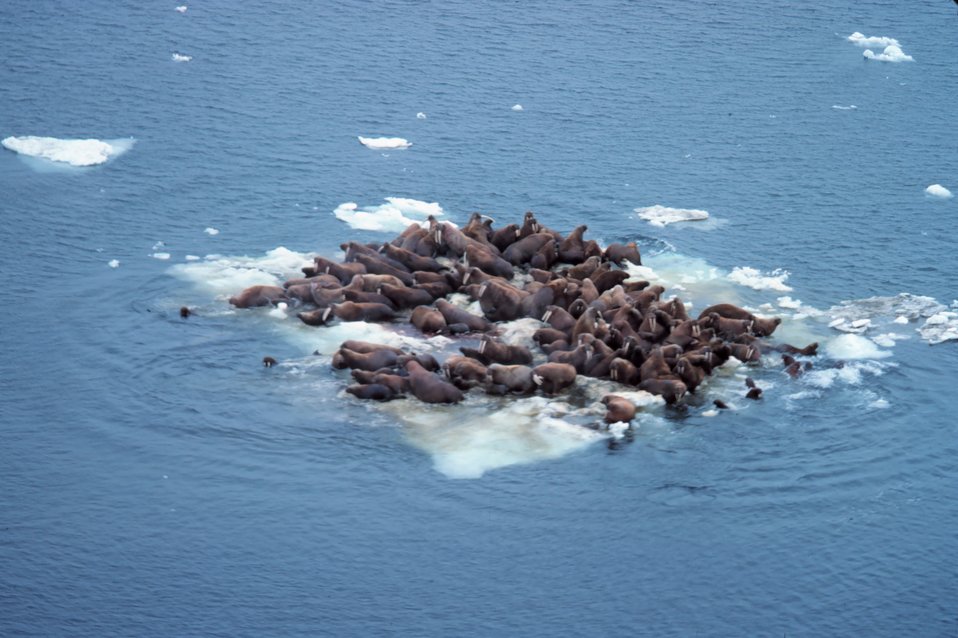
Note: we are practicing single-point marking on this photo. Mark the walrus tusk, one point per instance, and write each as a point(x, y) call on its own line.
point(537, 379)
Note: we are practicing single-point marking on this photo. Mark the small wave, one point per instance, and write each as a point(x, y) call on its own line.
point(939, 191)
point(394, 216)
point(384, 143)
point(75, 152)
point(662, 215)
point(756, 280)
point(890, 54)
point(873, 41)
point(179, 57)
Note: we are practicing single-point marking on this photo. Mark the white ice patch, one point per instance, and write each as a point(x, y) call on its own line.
point(662, 215)
point(472, 438)
point(789, 303)
point(420, 115)
point(179, 57)
point(182, 8)
point(890, 54)
point(88, 152)
point(114, 263)
point(879, 404)
point(394, 216)
point(161, 256)
point(516, 107)
point(211, 231)
point(940, 327)
point(757, 280)
point(938, 191)
point(279, 312)
point(384, 143)
point(192, 258)
point(697, 279)
point(227, 276)
point(852, 346)
point(839, 107)
point(873, 41)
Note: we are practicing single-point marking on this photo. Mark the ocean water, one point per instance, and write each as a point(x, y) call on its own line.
point(156, 480)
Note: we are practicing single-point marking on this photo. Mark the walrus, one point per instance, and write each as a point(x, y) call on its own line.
point(546, 256)
point(404, 297)
point(485, 260)
point(500, 301)
point(655, 366)
point(394, 382)
point(428, 319)
point(268, 362)
point(505, 236)
point(411, 260)
point(430, 388)
point(426, 360)
point(454, 314)
point(498, 352)
point(545, 336)
point(535, 304)
point(530, 226)
point(464, 372)
point(343, 272)
point(377, 265)
point(572, 249)
point(363, 297)
point(559, 318)
point(256, 296)
point(374, 391)
point(672, 390)
point(727, 328)
point(366, 347)
point(617, 253)
point(552, 378)
point(762, 327)
point(502, 379)
point(608, 279)
point(522, 251)
point(692, 375)
point(624, 371)
point(185, 312)
point(318, 317)
point(685, 333)
point(618, 409)
point(346, 358)
point(353, 311)
point(577, 357)
point(745, 353)
point(584, 269)
point(586, 323)
point(645, 297)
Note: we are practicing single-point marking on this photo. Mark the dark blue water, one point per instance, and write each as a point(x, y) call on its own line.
point(155, 480)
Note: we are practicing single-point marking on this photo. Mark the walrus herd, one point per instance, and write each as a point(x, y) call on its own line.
point(595, 320)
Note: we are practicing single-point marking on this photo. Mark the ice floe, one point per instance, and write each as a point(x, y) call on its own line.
point(161, 256)
point(663, 215)
point(182, 8)
point(839, 107)
point(938, 191)
point(853, 346)
point(384, 143)
point(114, 263)
point(75, 152)
point(394, 216)
point(757, 280)
point(179, 57)
point(874, 41)
point(516, 107)
point(420, 115)
point(940, 327)
point(890, 54)
point(209, 230)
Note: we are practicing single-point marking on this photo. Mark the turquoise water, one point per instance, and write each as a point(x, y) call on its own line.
point(156, 480)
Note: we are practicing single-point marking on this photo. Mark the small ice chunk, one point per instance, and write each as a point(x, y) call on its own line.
point(873, 41)
point(182, 8)
point(279, 312)
point(211, 231)
point(420, 115)
point(890, 54)
point(661, 216)
point(879, 404)
point(88, 152)
point(192, 258)
point(516, 107)
point(939, 191)
point(839, 107)
point(114, 263)
point(756, 280)
point(852, 346)
point(901, 319)
point(384, 143)
point(788, 302)
point(710, 413)
point(179, 57)
point(161, 256)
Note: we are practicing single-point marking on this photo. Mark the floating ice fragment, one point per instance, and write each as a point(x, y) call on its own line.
point(178, 57)
point(839, 107)
point(939, 191)
point(181, 8)
point(890, 54)
point(879, 404)
point(420, 115)
point(757, 280)
point(384, 143)
point(788, 302)
point(192, 258)
point(161, 256)
point(663, 215)
point(211, 231)
point(279, 312)
point(516, 107)
point(852, 346)
point(390, 217)
point(88, 152)
point(873, 41)
point(901, 319)
point(114, 263)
